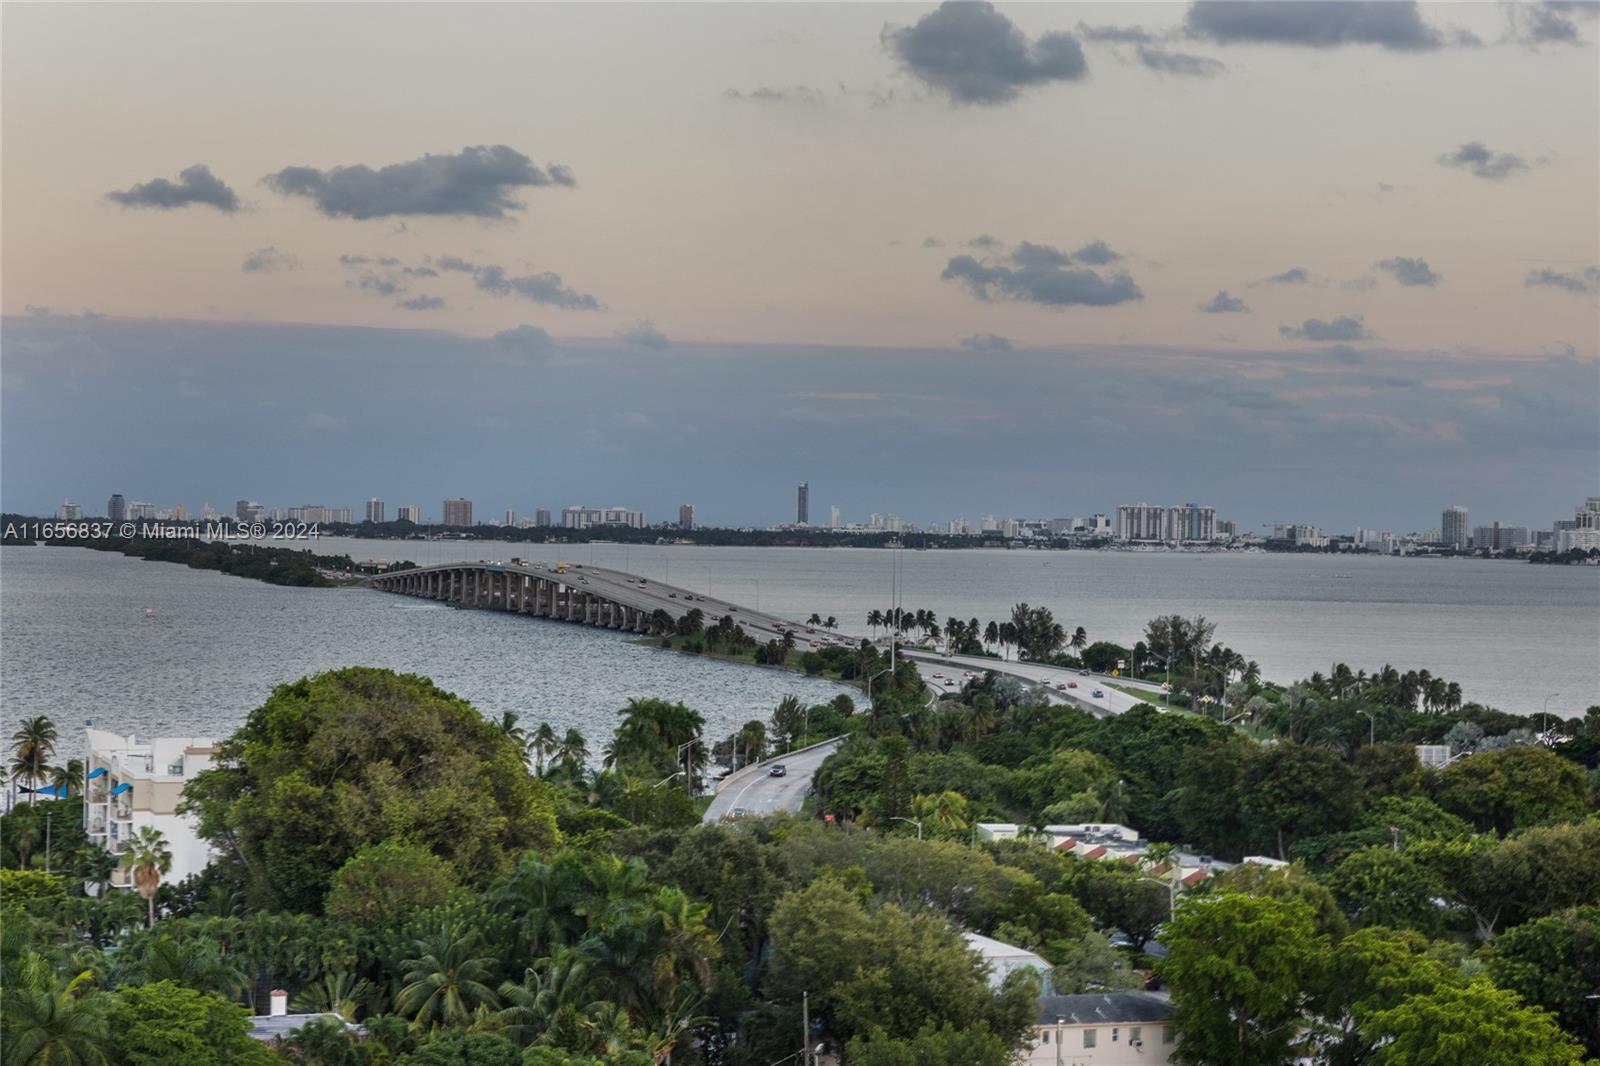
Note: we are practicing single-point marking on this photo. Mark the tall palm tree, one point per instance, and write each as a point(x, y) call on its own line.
point(507, 724)
point(542, 744)
point(63, 779)
point(149, 857)
point(33, 745)
point(874, 620)
point(53, 1022)
point(557, 981)
point(991, 633)
point(1080, 640)
point(572, 749)
point(446, 982)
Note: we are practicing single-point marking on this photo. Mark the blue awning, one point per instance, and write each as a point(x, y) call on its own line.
point(120, 789)
point(98, 771)
point(53, 791)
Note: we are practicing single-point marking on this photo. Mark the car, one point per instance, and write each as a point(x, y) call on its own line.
point(1072, 684)
point(1083, 673)
point(777, 769)
point(937, 676)
point(673, 595)
point(738, 812)
point(968, 673)
point(1099, 694)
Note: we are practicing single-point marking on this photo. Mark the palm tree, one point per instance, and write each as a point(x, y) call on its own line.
point(991, 633)
point(149, 857)
point(54, 1023)
point(32, 747)
point(542, 743)
point(508, 727)
point(874, 620)
point(446, 982)
point(197, 964)
point(945, 809)
point(555, 982)
point(339, 992)
point(682, 942)
point(64, 778)
point(814, 620)
point(1079, 641)
point(572, 750)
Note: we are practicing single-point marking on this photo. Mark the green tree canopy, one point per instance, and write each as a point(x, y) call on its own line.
point(163, 1023)
point(385, 882)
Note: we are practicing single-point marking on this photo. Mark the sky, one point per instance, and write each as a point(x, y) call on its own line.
point(1334, 263)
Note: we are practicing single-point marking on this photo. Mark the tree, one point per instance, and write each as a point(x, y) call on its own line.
point(1554, 962)
point(162, 1023)
point(385, 882)
point(1091, 964)
point(1382, 886)
point(1296, 790)
point(333, 763)
point(67, 777)
point(149, 858)
point(33, 745)
point(1242, 970)
point(543, 743)
point(446, 981)
point(1513, 788)
point(50, 1021)
point(1469, 1024)
point(944, 1046)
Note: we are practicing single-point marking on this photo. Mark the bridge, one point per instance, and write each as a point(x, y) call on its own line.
point(589, 595)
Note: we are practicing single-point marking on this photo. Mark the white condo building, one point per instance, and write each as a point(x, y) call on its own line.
point(132, 784)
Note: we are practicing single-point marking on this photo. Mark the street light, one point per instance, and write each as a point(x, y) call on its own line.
point(1372, 728)
point(1546, 714)
point(914, 821)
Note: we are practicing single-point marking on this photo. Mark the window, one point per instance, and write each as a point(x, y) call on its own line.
point(1135, 1035)
point(1088, 1038)
point(1113, 1036)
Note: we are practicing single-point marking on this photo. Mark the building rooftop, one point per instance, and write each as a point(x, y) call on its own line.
point(1104, 1008)
point(269, 1027)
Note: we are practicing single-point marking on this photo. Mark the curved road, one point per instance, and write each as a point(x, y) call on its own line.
point(955, 667)
point(757, 792)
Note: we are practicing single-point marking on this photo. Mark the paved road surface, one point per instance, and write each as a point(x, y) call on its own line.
point(956, 666)
point(759, 793)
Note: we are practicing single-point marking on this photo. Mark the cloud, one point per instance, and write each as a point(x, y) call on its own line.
point(1114, 34)
point(1223, 304)
point(1292, 276)
point(932, 242)
point(1480, 162)
point(1342, 328)
point(421, 303)
point(528, 342)
point(1580, 282)
point(369, 260)
point(1096, 253)
point(1180, 63)
point(545, 288)
point(420, 272)
point(268, 260)
point(455, 263)
point(476, 182)
point(986, 342)
point(195, 185)
point(982, 240)
point(977, 56)
point(1410, 271)
point(645, 335)
point(1041, 274)
point(1549, 22)
point(794, 94)
point(1392, 24)
point(382, 284)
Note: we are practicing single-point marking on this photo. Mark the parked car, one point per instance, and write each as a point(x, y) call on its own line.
point(777, 770)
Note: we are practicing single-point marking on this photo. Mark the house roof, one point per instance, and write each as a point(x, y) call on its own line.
point(269, 1027)
point(1104, 1008)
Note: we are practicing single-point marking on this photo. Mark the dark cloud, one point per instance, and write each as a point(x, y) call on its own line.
point(794, 94)
point(420, 272)
point(195, 185)
point(1292, 276)
point(1410, 271)
point(1114, 34)
point(268, 260)
point(986, 342)
point(455, 263)
point(476, 182)
point(1480, 162)
point(369, 260)
point(1096, 253)
point(545, 288)
point(1549, 22)
point(977, 56)
point(1581, 282)
point(1393, 24)
point(1342, 328)
point(932, 242)
point(645, 335)
point(382, 284)
point(1180, 63)
point(528, 342)
point(421, 303)
point(1038, 273)
point(982, 240)
point(1223, 304)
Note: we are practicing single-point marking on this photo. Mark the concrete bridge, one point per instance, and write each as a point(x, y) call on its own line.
point(590, 595)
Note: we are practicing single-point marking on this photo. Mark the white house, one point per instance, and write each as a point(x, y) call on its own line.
point(1003, 959)
point(1103, 1029)
point(132, 784)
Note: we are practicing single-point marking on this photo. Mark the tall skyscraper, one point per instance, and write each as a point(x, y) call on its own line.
point(802, 510)
point(375, 511)
point(1453, 529)
point(458, 512)
point(833, 517)
point(116, 507)
point(408, 513)
point(541, 517)
point(685, 516)
point(1141, 521)
point(68, 512)
point(511, 517)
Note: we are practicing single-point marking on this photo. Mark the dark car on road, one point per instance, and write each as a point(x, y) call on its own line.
point(776, 770)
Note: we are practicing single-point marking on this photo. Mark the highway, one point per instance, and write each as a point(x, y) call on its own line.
point(1079, 690)
point(756, 792)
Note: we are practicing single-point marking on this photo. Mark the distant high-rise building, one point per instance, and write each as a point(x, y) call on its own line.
point(116, 507)
point(458, 512)
point(375, 511)
point(140, 511)
point(802, 509)
point(248, 511)
point(1498, 538)
point(1453, 528)
point(68, 512)
point(1191, 522)
point(1141, 521)
point(685, 516)
point(314, 514)
point(833, 517)
point(541, 517)
point(581, 517)
point(408, 513)
point(337, 514)
point(511, 517)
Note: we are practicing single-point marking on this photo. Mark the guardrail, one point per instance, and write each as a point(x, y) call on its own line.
point(747, 771)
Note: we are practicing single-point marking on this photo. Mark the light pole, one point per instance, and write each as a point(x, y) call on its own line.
point(684, 755)
point(1546, 714)
point(1372, 729)
point(914, 821)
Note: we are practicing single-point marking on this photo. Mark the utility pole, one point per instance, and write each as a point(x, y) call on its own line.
point(806, 1058)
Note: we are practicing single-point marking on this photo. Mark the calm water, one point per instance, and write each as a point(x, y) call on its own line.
point(76, 643)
